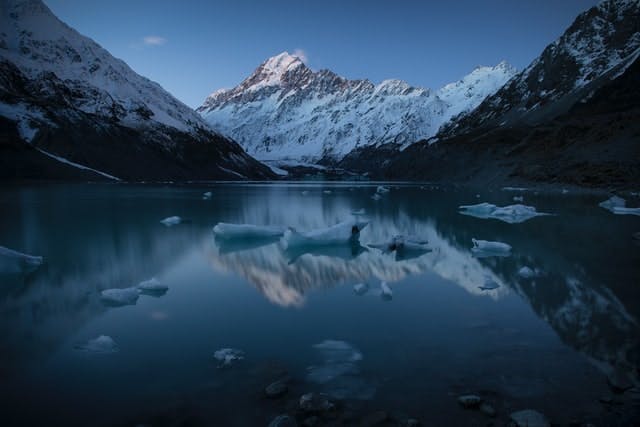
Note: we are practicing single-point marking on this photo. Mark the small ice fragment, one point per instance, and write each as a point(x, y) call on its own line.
point(327, 191)
point(227, 356)
point(358, 212)
point(477, 196)
point(207, 195)
point(382, 189)
point(341, 233)
point(564, 191)
point(518, 198)
point(385, 291)
point(247, 231)
point(118, 297)
point(527, 273)
point(376, 197)
point(103, 344)
point(626, 211)
point(360, 288)
point(152, 285)
point(512, 214)
point(171, 221)
point(304, 192)
point(16, 262)
point(489, 284)
point(613, 202)
point(485, 248)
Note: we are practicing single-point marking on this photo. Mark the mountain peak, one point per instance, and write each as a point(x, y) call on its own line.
point(281, 63)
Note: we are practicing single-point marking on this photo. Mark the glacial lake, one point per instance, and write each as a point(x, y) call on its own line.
point(455, 324)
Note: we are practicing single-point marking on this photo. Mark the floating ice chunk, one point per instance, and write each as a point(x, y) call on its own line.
point(247, 231)
point(358, 212)
point(304, 192)
point(118, 297)
point(564, 191)
point(485, 248)
point(405, 247)
point(617, 205)
point(382, 189)
point(360, 288)
point(518, 198)
point(104, 344)
point(152, 285)
point(489, 284)
point(327, 191)
point(376, 197)
point(514, 189)
point(385, 291)
point(512, 214)
point(207, 195)
point(528, 273)
point(227, 356)
point(171, 221)
point(12, 262)
point(341, 233)
point(477, 196)
point(626, 211)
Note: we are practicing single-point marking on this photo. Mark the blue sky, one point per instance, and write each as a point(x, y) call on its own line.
point(195, 47)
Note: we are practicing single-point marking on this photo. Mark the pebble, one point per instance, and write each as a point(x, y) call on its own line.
point(529, 418)
point(469, 401)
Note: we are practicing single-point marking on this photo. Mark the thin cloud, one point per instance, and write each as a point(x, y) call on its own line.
point(154, 41)
point(300, 53)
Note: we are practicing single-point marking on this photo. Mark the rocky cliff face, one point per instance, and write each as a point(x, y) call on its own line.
point(65, 99)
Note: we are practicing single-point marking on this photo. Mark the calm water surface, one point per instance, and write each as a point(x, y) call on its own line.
point(545, 343)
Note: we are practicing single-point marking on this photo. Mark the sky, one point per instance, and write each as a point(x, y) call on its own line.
point(195, 47)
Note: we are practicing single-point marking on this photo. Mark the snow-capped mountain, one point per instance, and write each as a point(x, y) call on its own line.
point(284, 110)
point(53, 79)
point(599, 46)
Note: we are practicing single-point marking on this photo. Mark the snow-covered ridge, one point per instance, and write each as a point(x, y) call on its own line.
point(284, 110)
point(51, 53)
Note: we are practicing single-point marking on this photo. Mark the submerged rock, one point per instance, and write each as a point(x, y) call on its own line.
point(469, 401)
point(283, 421)
point(314, 402)
point(276, 389)
point(529, 418)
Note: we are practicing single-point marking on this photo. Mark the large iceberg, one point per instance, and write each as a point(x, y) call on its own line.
point(118, 297)
point(341, 233)
point(224, 230)
point(12, 262)
point(512, 214)
point(486, 248)
point(103, 344)
point(618, 206)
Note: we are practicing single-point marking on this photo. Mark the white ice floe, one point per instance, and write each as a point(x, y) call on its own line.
point(382, 189)
point(152, 285)
point(247, 231)
point(227, 356)
point(376, 197)
point(16, 262)
point(117, 296)
point(207, 195)
point(341, 233)
point(327, 191)
point(511, 214)
point(489, 284)
point(528, 273)
point(360, 288)
point(358, 212)
point(103, 345)
point(485, 248)
point(171, 221)
point(618, 206)
point(385, 291)
point(518, 198)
